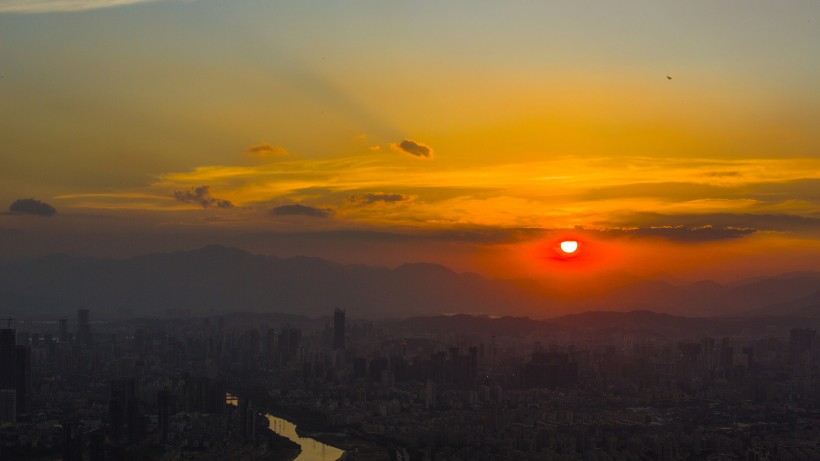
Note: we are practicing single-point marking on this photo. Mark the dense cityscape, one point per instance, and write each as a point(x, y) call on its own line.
point(426, 388)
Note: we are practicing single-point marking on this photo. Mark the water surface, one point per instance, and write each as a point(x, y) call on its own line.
point(312, 449)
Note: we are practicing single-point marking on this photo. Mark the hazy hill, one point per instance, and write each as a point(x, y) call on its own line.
point(636, 324)
point(708, 298)
point(217, 279)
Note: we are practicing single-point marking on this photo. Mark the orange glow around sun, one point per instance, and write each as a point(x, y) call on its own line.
point(545, 259)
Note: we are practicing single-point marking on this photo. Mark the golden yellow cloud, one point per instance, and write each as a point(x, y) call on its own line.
point(559, 192)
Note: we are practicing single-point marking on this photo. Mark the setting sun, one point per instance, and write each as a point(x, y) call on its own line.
point(569, 246)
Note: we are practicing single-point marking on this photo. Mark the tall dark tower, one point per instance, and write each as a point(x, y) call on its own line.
point(164, 400)
point(83, 327)
point(8, 369)
point(63, 330)
point(22, 378)
point(15, 369)
point(338, 328)
point(72, 441)
point(8, 338)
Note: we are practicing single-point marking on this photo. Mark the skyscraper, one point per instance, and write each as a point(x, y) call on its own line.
point(72, 441)
point(63, 330)
point(15, 369)
point(430, 394)
point(164, 400)
point(8, 406)
point(289, 339)
point(83, 327)
point(8, 338)
point(338, 328)
point(22, 378)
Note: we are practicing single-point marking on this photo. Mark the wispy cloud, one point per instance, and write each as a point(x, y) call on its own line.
point(54, 6)
point(561, 192)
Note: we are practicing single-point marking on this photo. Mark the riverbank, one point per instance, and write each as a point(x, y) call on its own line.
point(279, 448)
point(312, 424)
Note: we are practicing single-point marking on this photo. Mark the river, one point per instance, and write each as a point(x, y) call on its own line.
point(312, 449)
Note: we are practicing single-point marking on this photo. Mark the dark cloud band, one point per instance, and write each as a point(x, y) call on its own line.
point(202, 197)
point(265, 151)
point(414, 148)
point(680, 233)
point(378, 197)
point(301, 210)
point(30, 206)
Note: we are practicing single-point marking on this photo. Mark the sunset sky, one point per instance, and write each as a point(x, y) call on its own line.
point(680, 137)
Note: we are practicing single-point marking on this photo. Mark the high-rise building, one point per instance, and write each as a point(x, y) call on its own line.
point(72, 441)
point(63, 330)
point(22, 378)
point(164, 400)
point(96, 445)
point(430, 395)
point(289, 339)
point(338, 329)
point(83, 327)
point(8, 338)
point(246, 419)
point(800, 339)
point(15, 369)
point(8, 406)
point(124, 415)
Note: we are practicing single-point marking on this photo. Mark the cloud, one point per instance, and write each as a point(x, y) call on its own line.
point(481, 236)
point(414, 148)
point(29, 206)
point(201, 196)
point(759, 221)
point(723, 174)
point(53, 6)
point(301, 210)
point(491, 236)
point(679, 233)
point(265, 151)
point(766, 192)
point(378, 197)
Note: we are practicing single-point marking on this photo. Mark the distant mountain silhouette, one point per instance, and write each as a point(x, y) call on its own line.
point(216, 279)
point(707, 298)
point(808, 306)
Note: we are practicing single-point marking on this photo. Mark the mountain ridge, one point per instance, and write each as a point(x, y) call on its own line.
point(217, 279)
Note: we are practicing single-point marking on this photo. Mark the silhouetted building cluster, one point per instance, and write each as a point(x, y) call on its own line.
point(416, 394)
point(549, 370)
